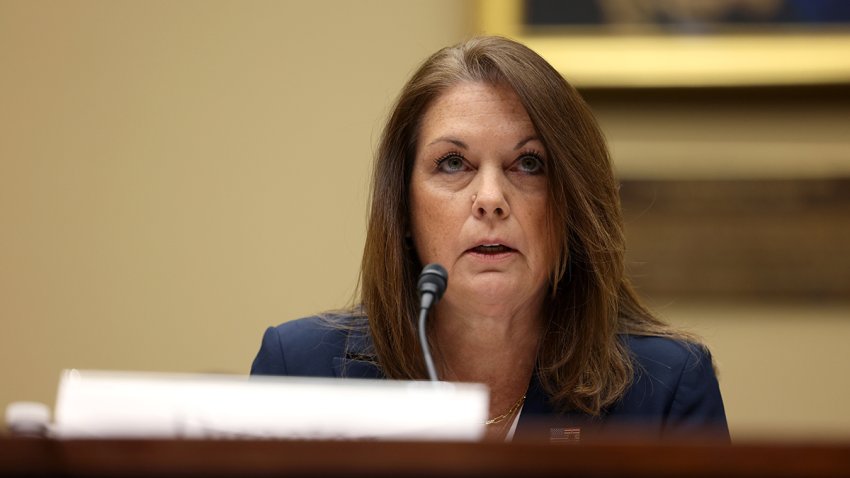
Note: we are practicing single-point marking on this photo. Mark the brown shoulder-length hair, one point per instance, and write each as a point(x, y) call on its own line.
point(582, 363)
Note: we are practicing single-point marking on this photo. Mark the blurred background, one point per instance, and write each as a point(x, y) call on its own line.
point(177, 176)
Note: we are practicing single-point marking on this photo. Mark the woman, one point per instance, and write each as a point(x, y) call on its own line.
point(493, 166)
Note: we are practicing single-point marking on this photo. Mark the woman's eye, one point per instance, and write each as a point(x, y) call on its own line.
point(451, 163)
point(530, 164)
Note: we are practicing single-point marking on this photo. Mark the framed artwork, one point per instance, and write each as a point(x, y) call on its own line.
point(671, 43)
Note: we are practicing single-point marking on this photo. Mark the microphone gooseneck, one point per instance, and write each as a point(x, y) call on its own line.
point(432, 284)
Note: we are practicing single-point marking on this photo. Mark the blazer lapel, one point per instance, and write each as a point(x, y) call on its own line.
point(358, 359)
point(539, 421)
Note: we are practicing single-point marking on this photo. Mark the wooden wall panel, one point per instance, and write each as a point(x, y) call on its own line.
point(739, 238)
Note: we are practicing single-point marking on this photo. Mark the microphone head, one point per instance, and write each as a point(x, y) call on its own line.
point(434, 279)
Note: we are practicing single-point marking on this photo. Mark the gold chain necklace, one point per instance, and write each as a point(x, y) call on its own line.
point(507, 414)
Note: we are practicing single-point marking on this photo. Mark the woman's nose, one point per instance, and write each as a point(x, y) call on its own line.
point(489, 200)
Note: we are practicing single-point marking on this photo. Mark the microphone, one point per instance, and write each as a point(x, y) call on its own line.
point(433, 282)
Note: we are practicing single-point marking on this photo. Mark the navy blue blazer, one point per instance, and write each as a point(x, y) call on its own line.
point(674, 393)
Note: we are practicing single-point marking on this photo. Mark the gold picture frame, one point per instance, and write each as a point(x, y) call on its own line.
point(670, 60)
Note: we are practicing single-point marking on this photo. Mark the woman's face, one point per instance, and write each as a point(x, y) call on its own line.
point(478, 197)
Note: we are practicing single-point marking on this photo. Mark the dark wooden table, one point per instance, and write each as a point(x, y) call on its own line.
point(152, 458)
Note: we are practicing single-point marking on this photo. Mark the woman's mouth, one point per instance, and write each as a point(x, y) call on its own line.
point(492, 253)
point(491, 249)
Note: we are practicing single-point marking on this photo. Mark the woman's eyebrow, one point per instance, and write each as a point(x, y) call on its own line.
point(526, 140)
point(449, 139)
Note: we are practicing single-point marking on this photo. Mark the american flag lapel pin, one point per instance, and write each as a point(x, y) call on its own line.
point(568, 435)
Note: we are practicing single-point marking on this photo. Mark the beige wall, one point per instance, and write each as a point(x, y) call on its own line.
point(176, 176)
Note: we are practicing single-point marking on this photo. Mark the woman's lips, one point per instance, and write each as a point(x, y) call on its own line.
point(491, 252)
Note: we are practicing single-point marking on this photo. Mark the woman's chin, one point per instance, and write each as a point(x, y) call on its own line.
point(491, 292)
